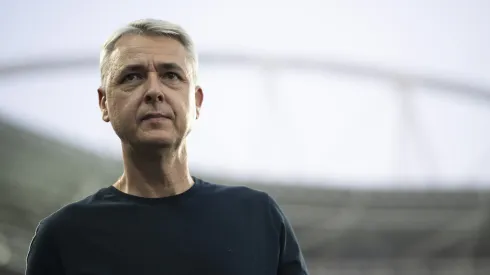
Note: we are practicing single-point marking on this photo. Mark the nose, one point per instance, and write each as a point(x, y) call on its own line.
point(154, 91)
point(153, 96)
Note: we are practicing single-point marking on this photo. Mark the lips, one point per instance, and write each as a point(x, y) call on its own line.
point(154, 115)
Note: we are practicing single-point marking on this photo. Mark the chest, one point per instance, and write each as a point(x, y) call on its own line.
point(169, 244)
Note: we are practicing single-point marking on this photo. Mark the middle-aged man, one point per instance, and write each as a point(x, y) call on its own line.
point(157, 218)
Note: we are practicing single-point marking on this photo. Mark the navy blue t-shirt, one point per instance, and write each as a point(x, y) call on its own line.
point(209, 229)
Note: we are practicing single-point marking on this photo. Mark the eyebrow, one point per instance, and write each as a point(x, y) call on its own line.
point(165, 66)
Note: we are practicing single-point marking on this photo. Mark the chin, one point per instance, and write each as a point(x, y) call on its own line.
point(158, 140)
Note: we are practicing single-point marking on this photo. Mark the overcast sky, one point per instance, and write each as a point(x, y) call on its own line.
point(298, 125)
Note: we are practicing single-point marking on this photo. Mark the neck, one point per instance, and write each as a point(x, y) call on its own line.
point(154, 173)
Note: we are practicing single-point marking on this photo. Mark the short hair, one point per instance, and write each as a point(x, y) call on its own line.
point(150, 27)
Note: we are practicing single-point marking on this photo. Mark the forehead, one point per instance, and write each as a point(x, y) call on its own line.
point(149, 49)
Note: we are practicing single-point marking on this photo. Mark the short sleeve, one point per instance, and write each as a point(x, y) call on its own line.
point(43, 257)
point(291, 261)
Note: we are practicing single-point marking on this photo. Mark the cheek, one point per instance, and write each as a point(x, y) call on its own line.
point(177, 101)
point(120, 109)
point(185, 107)
point(114, 112)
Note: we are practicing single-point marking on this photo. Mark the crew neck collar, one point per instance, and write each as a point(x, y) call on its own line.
point(128, 197)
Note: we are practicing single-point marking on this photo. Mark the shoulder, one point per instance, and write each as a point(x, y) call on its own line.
point(252, 199)
point(240, 193)
point(246, 202)
point(69, 212)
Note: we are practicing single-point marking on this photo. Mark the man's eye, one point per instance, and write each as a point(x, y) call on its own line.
point(132, 77)
point(172, 76)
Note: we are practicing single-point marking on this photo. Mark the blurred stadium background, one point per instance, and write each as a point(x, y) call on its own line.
point(368, 122)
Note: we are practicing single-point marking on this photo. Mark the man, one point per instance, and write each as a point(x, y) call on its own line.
point(157, 218)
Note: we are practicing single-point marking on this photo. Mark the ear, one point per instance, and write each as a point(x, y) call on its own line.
point(103, 104)
point(199, 98)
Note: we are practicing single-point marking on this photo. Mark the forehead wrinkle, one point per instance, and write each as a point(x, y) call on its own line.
point(150, 60)
point(124, 54)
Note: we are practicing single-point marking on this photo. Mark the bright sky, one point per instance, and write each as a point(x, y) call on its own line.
point(311, 126)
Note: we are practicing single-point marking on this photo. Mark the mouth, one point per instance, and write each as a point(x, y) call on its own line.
point(154, 116)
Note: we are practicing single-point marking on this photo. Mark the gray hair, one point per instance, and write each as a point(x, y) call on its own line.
point(151, 27)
